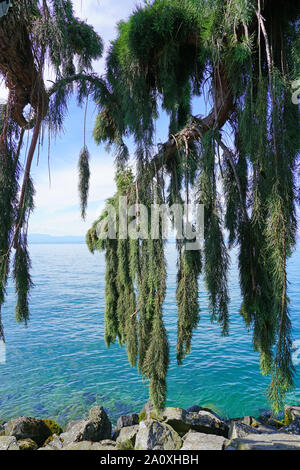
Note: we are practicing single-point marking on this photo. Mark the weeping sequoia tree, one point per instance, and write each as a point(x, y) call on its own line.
point(242, 57)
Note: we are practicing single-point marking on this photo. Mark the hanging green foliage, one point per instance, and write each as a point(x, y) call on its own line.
point(36, 35)
point(242, 57)
point(84, 179)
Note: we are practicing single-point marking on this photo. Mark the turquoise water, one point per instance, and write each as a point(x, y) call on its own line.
point(59, 366)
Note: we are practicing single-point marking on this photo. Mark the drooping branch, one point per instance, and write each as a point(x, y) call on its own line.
point(222, 109)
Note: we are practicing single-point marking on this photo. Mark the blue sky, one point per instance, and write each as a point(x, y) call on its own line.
point(57, 209)
point(57, 206)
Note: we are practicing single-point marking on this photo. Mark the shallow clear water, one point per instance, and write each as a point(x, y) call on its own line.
point(59, 366)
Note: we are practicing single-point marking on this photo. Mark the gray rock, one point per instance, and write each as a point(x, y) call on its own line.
point(97, 414)
point(266, 429)
point(199, 441)
point(72, 423)
point(194, 409)
point(84, 445)
point(293, 428)
point(250, 421)
point(146, 410)
point(265, 416)
point(127, 420)
point(176, 418)
point(291, 412)
point(27, 444)
point(275, 423)
point(88, 445)
point(28, 428)
point(94, 429)
point(275, 441)
point(8, 443)
point(153, 435)
point(127, 436)
point(240, 429)
point(207, 422)
point(55, 443)
point(108, 444)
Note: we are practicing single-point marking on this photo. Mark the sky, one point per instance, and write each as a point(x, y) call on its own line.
point(57, 210)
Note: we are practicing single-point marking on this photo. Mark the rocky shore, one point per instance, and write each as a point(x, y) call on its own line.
point(196, 429)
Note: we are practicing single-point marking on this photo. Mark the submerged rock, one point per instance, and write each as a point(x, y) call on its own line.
point(153, 435)
point(28, 428)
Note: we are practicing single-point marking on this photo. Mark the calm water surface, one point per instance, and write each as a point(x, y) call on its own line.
point(60, 367)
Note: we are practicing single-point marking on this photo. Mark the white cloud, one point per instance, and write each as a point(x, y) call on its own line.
point(104, 15)
point(57, 206)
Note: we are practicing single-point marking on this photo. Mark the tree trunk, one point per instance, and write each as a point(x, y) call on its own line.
point(19, 70)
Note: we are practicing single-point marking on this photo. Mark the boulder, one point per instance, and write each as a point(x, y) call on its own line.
point(240, 429)
point(108, 444)
point(198, 441)
point(206, 422)
point(126, 437)
point(53, 426)
point(276, 423)
point(96, 428)
point(193, 408)
point(53, 443)
point(28, 428)
point(274, 441)
point(250, 421)
point(266, 429)
point(153, 435)
point(128, 420)
point(146, 410)
point(264, 416)
point(293, 428)
point(291, 413)
point(8, 443)
point(176, 418)
point(27, 444)
point(203, 420)
point(72, 423)
point(86, 445)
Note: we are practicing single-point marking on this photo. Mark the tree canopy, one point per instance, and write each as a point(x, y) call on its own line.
point(240, 56)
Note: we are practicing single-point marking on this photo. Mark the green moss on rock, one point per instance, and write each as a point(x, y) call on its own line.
point(126, 445)
point(53, 427)
point(142, 416)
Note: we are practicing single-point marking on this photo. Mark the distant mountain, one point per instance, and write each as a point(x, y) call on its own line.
point(37, 238)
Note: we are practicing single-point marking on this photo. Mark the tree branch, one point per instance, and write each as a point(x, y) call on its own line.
point(222, 109)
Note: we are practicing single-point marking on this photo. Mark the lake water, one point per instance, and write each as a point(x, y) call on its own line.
point(59, 366)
